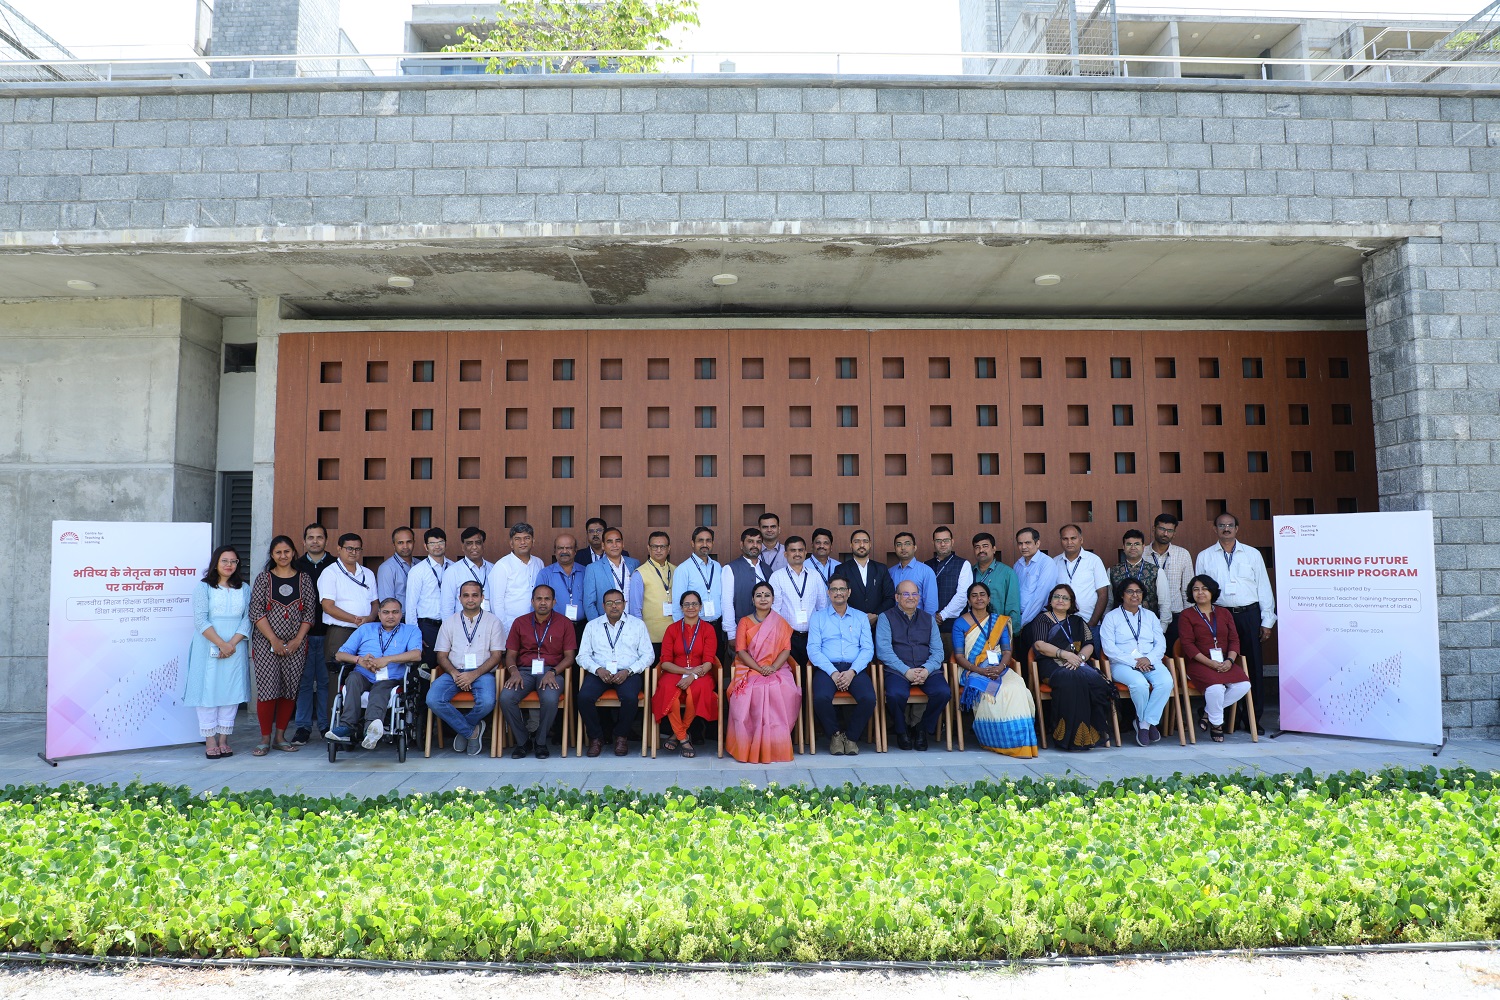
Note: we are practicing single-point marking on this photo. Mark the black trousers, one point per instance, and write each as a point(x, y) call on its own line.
point(629, 691)
point(865, 702)
point(1247, 623)
point(799, 650)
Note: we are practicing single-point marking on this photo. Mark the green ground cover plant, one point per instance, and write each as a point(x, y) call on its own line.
point(1002, 870)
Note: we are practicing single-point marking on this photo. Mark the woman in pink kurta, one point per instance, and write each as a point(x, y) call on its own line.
point(763, 697)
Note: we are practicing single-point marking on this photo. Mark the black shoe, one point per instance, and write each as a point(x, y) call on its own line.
point(903, 741)
point(919, 742)
point(521, 751)
point(300, 738)
point(542, 753)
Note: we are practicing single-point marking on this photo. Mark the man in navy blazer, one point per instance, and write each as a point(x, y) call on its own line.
point(870, 586)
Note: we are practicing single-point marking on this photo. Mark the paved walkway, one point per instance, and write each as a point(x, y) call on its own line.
point(377, 772)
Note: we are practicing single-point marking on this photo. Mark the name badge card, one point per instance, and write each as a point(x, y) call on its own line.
point(571, 611)
point(614, 666)
point(1217, 655)
point(667, 609)
point(708, 610)
point(383, 674)
point(471, 661)
point(993, 657)
point(1135, 654)
point(484, 605)
point(538, 665)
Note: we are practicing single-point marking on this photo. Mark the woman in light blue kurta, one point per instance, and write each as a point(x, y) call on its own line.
point(218, 671)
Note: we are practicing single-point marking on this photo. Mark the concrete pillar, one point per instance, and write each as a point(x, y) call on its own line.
point(274, 27)
point(268, 316)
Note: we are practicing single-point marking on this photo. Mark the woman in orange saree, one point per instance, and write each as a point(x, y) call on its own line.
point(764, 699)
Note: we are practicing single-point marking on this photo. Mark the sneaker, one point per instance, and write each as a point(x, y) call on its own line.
point(476, 740)
point(1142, 736)
point(373, 732)
point(300, 738)
point(460, 743)
point(339, 734)
point(1155, 735)
point(836, 744)
point(851, 747)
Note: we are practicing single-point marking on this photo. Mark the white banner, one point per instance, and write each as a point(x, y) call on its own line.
point(1357, 597)
point(117, 640)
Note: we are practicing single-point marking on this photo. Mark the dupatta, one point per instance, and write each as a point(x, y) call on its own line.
point(993, 634)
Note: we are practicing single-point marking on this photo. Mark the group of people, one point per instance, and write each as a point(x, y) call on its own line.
point(500, 631)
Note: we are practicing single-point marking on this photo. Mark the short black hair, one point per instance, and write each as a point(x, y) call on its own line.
point(822, 533)
point(521, 528)
point(940, 529)
point(749, 533)
point(798, 539)
point(700, 529)
point(1124, 583)
point(768, 516)
point(404, 527)
point(1036, 536)
point(1134, 533)
point(348, 537)
point(983, 536)
point(470, 583)
point(904, 534)
point(658, 534)
point(473, 531)
point(1167, 519)
point(310, 527)
point(432, 533)
point(601, 522)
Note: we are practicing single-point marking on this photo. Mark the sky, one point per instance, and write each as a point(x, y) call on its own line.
point(164, 28)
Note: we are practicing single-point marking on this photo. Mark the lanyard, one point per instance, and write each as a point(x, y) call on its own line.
point(800, 590)
point(1139, 573)
point(1229, 558)
point(464, 621)
point(1213, 628)
point(693, 641)
point(826, 576)
point(708, 580)
point(386, 638)
point(1077, 563)
point(667, 583)
point(612, 638)
point(624, 573)
point(759, 575)
point(1063, 625)
point(938, 569)
point(353, 579)
point(435, 574)
point(1160, 563)
point(1135, 630)
point(470, 567)
point(405, 570)
point(567, 579)
point(540, 639)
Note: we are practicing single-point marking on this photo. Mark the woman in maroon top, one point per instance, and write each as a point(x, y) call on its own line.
point(685, 694)
point(1211, 647)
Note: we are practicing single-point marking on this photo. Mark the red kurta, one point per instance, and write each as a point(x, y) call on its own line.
point(1196, 637)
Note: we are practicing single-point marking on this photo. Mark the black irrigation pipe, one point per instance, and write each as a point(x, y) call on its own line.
point(378, 965)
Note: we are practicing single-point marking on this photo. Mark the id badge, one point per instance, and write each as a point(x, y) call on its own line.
point(1217, 655)
point(571, 611)
point(992, 657)
point(1135, 654)
point(538, 665)
point(708, 610)
point(614, 666)
point(471, 661)
point(484, 605)
point(383, 674)
point(801, 624)
point(666, 609)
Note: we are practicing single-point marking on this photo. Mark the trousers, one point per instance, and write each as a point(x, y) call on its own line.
point(827, 714)
point(355, 686)
point(898, 689)
point(629, 691)
point(1149, 693)
point(1216, 696)
point(440, 700)
point(510, 706)
point(312, 693)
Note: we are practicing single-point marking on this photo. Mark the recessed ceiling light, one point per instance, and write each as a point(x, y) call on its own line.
point(1048, 279)
point(1129, 34)
point(399, 281)
point(1195, 34)
point(79, 285)
point(1347, 280)
point(726, 279)
point(1255, 36)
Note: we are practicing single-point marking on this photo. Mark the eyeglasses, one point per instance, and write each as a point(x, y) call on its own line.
point(1225, 527)
point(354, 548)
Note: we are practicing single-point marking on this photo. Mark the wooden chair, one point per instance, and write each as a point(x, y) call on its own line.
point(1172, 716)
point(718, 674)
point(799, 729)
point(1040, 692)
point(462, 700)
point(874, 732)
point(1190, 689)
point(946, 722)
point(504, 739)
point(611, 699)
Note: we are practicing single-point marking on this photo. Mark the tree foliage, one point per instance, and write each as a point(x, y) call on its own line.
point(577, 28)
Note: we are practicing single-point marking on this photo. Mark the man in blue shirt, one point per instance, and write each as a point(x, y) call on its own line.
point(565, 577)
point(611, 571)
point(390, 578)
point(379, 652)
point(840, 649)
point(909, 648)
point(701, 573)
point(1036, 575)
point(908, 568)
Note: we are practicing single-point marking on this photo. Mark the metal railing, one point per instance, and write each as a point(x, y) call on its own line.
point(719, 62)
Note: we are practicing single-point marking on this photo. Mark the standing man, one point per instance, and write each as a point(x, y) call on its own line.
point(799, 594)
point(999, 579)
point(391, 577)
point(909, 650)
point(1037, 574)
point(470, 647)
point(347, 593)
point(473, 566)
point(565, 577)
point(312, 692)
point(1136, 567)
point(740, 578)
point(907, 568)
point(653, 588)
point(380, 650)
point(510, 586)
point(840, 647)
point(424, 591)
point(593, 530)
point(772, 551)
point(1245, 589)
point(953, 578)
point(611, 571)
point(1084, 572)
point(1174, 568)
point(701, 573)
point(616, 652)
point(870, 586)
point(821, 561)
point(539, 652)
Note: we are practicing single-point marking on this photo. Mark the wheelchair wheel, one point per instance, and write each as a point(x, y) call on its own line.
point(401, 747)
point(333, 750)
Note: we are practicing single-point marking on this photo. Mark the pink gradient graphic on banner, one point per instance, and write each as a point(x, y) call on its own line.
point(121, 623)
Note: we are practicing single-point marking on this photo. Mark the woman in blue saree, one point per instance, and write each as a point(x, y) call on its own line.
point(991, 687)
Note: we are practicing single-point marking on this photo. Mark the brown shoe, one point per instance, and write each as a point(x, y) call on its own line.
point(596, 747)
point(622, 746)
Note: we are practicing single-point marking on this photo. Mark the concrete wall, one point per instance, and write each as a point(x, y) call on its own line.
point(108, 411)
point(273, 27)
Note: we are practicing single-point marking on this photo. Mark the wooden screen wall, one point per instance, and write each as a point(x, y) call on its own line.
point(884, 429)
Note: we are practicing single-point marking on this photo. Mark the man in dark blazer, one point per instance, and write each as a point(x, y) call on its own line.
point(870, 586)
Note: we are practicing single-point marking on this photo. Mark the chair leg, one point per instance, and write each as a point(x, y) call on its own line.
point(723, 715)
point(805, 718)
point(495, 720)
point(427, 748)
point(1250, 712)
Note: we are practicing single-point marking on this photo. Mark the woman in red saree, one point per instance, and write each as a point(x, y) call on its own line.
point(686, 691)
point(764, 699)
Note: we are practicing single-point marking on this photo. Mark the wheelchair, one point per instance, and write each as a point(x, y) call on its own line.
point(400, 717)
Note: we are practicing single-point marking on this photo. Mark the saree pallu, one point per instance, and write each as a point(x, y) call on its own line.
point(762, 710)
point(1004, 714)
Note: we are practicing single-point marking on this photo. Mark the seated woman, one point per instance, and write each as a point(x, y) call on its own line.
point(685, 694)
point(1211, 646)
point(764, 698)
point(1004, 714)
point(1081, 695)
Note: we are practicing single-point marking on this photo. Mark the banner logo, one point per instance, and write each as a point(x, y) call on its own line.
point(68, 538)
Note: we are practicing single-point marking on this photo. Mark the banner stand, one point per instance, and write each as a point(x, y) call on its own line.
point(45, 759)
point(1297, 732)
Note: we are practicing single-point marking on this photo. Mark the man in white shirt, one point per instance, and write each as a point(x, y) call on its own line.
point(390, 578)
point(347, 593)
point(1174, 568)
point(701, 573)
point(798, 594)
point(473, 566)
point(1245, 589)
point(740, 578)
point(772, 551)
point(470, 646)
point(614, 654)
point(1085, 573)
point(511, 583)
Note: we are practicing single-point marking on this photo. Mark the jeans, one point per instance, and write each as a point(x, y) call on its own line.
point(312, 693)
point(440, 700)
point(1148, 692)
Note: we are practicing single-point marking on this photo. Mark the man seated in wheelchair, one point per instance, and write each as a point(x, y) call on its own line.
point(379, 652)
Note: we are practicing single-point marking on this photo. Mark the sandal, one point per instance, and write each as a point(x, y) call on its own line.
point(225, 752)
point(670, 743)
point(212, 753)
point(261, 749)
point(1216, 733)
point(285, 747)
point(687, 749)
point(1203, 722)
